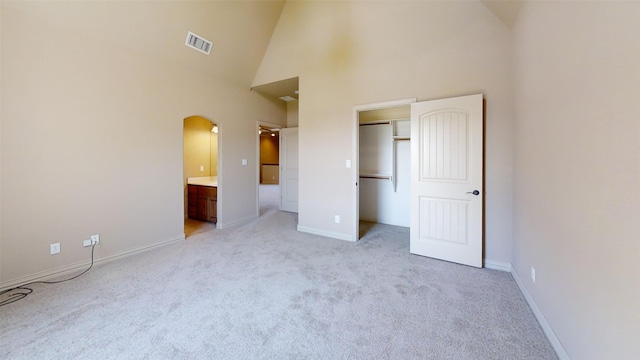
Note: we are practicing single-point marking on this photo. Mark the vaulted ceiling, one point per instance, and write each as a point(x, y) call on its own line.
point(240, 30)
point(505, 10)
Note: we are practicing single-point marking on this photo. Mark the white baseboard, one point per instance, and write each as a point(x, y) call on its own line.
point(548, 331)
point(225, 225)
point(392, 222)
point(497, 265)
point(62, 270)
point(325, 233)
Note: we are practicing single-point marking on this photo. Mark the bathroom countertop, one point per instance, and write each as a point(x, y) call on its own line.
point(203, 181)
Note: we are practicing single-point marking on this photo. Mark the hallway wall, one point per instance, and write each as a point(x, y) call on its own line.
point(269, 154)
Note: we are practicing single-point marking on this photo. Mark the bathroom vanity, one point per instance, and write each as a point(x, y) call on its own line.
point(202, 200)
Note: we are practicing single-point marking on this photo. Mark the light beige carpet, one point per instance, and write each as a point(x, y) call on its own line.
point(265, 291)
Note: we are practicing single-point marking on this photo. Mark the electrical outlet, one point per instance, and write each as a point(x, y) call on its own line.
point(54, 248)
point(533, 274)
point(201, 167)
point(95, 239)
point(337, 219)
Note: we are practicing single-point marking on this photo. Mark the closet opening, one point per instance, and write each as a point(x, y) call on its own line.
point(384, 165)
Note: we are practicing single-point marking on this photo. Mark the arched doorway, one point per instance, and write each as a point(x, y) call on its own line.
point(200, 174)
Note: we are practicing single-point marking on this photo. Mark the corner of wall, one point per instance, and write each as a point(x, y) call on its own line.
point(544, 324)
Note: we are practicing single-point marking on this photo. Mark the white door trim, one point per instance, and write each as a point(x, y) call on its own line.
point(289, 176)
point(355, 165)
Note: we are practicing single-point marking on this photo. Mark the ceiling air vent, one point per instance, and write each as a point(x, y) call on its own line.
point(198, 43)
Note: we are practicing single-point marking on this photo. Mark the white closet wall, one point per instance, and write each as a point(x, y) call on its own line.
point(384, 171)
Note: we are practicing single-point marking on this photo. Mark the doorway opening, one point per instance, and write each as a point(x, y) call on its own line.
point(280, 92)
point(383, 163)
point(269, 168)
point(200, 174)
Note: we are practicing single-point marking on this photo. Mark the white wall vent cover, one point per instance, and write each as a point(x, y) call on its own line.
point(199, 43)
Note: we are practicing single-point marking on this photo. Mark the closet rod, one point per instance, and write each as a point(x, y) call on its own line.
point(378, 177)
point(376, 123)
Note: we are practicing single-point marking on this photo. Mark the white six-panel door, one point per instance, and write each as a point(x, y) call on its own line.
point(289, 169)
point(447, 179)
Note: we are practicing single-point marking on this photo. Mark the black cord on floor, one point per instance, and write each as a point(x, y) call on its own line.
point(22, 291)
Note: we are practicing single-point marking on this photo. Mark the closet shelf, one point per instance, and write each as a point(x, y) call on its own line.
point(387, 122)
point(375, 176)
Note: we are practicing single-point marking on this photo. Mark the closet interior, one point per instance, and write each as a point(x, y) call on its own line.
point(385, 164)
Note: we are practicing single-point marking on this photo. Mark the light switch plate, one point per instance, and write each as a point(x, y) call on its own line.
point(533, 274)
point(54, 248)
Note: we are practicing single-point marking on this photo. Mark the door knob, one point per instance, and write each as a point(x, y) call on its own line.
point(474, 192)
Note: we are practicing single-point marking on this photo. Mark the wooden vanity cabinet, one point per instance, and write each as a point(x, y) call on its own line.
point(202, 203)
point(192, 201)
point(212, 207)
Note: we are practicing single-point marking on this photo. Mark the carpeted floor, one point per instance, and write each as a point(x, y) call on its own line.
point(269, 198)
point(266, 291)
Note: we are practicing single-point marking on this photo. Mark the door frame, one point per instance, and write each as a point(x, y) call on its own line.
point(355, 164)
point(257, 141)
point(285, 169)
point(218, 170)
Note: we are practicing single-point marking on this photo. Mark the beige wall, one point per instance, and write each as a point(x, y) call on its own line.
point(1, 126)
point(577, 172)
point(292, 113)
point(198, 147)
point(269, 146)
point(345, 56)
point(92, 142)
point(213, 154)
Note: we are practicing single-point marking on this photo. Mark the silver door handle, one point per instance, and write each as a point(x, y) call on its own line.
point(474, 192)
